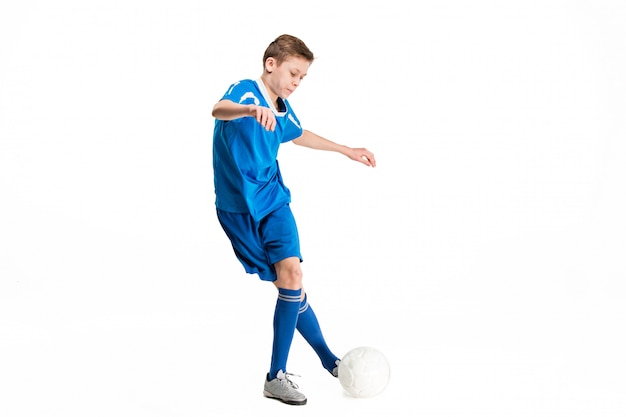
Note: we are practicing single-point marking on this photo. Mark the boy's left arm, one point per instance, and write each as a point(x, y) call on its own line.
point(314, 141)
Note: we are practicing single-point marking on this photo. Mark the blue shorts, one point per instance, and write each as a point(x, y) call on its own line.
point(260, 244)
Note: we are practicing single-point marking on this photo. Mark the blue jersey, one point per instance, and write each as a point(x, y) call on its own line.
point(247, 177)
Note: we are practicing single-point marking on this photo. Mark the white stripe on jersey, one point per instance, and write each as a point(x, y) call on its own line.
point(248, 95)
point(290, 117)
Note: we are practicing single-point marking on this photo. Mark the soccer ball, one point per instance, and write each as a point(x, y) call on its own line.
point(364, 372)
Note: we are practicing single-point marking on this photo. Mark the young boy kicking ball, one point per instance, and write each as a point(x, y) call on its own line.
point(253, 119)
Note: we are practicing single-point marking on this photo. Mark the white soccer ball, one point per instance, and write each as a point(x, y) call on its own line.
point(364, 372)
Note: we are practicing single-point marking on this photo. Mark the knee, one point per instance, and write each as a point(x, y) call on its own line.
point(289, 274)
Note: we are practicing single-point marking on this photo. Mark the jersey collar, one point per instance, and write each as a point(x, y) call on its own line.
point(278, 112)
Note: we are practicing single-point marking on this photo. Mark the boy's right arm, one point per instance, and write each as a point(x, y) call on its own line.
point(229, 110)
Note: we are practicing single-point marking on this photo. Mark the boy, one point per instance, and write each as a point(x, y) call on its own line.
point(253, 119)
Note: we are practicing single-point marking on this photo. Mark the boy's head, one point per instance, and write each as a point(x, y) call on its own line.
point(285, 63)
point(286, 46)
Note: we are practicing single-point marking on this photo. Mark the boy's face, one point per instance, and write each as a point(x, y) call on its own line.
point(283, 79)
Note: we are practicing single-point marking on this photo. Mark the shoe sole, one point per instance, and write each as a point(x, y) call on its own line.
point(268, 394)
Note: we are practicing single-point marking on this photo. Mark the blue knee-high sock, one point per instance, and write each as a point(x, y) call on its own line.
point(285, 318)
point(309, 328)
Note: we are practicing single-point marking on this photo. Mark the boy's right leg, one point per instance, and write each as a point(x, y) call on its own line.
point(289, 284)
point(285, 318)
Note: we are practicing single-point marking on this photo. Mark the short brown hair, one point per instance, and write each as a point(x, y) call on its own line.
point(286, 46)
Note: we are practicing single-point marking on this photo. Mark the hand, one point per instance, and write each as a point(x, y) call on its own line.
point(363, 156)
point(264, 116)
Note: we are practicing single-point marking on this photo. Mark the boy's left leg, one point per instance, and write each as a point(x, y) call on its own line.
point(309, 328)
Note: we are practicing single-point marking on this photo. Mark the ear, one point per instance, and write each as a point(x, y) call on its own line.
point(270, 64)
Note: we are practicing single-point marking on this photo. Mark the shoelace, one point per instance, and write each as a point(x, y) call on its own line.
point(293, 384)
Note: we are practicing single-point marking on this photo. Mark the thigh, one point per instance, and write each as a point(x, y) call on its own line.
point(280, 235)
point(247, 242)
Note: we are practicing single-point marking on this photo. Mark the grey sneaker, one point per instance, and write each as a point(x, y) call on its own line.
point(283, 389)
point(336, 369)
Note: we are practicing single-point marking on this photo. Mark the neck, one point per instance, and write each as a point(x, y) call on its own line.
point(273, 96)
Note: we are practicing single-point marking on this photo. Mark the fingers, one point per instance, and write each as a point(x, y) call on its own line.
point(366, 157)
point(370, 159)
point(266, 118)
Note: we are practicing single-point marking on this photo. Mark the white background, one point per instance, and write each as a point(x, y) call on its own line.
point(484, 255)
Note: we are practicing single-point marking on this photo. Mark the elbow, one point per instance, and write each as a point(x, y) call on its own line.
point(216, 111)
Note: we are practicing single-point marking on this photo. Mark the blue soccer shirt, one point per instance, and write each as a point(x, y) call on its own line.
point(247, 177)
